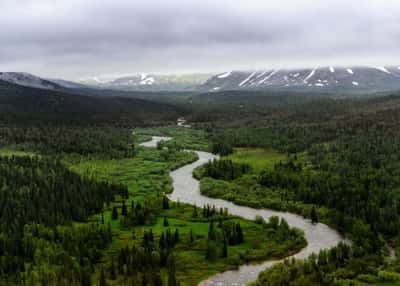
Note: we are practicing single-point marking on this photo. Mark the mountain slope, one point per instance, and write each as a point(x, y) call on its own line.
point(150, 82)
point(22, 104)
point(29, 80)
point(326, 79)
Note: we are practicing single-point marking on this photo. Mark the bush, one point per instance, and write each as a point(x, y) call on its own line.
point(388, 276)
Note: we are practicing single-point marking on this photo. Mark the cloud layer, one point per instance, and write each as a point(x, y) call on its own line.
point(76, 38)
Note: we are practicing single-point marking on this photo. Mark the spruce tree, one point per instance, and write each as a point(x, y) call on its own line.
point(194, 211)
point(191, 238)
point(165, 203)
point(239, 233)
point(165, 223)
point(102, 279)
point(114, 214)
point(211, 232)
point(124, 211)
point(113, 274)
point(171, 271)
point(224, 248)
point(314, 216)
point(176, 236)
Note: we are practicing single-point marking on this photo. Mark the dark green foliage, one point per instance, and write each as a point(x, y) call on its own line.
point(165, 203)
point(171, 271)
point(313, 270)
point(144, 213)
point(42, 191)
point(59, 247)
point(225, 169)
point(146, 261)
point(102, 279)
point(313, 215)
point(224, 248)
point(124, 210)
point(113, 274)
point(165, 222)
point(24, 105)
point(114, 214)
point(222, 148)
point(233, 233)
point(107, 142)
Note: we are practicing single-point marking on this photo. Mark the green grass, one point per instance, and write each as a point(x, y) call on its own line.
point(14, 152)
point(259, 159)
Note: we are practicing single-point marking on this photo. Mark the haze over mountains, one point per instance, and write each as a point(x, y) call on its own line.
point(322, 79)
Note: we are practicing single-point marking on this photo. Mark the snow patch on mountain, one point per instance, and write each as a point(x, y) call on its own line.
point(247, 79)
point(355, 83)
point(26, 79)
point(310, 75)
point(224, 75)
point(268, 77)
point(350, 71)
point(383, 69)
point(332, 69)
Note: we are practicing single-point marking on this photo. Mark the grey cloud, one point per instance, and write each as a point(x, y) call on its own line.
point(71, 38)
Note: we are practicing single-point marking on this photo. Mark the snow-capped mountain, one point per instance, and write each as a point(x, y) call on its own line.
point(67, 83)
point(149, 81)
point(320, 79)
point(29, 80)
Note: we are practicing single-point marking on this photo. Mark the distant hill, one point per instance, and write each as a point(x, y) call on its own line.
point(29, 80)
point(150, 82)
point(20, 103)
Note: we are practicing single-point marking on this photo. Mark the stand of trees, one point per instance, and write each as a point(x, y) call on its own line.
point(36, 196)
point(48, 139)
point(225, 169)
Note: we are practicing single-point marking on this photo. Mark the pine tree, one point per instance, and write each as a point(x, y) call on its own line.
point(165, 203)
point(113, 275)
point(171, 271)
point(161, 242)
point(194, 214)
point(211, 251)
point(211, 232)
point(102, 218)
point(114, 214)
point(124, 211)
point(191, 238)
point(314, 216)
point(176, 236)
point(102, 279)
point(165, 223)
point(239, 232)
point(224, 248)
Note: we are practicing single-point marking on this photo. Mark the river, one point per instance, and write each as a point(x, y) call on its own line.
point(187, 189)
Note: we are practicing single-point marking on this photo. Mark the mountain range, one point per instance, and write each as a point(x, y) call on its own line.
point(323, 79)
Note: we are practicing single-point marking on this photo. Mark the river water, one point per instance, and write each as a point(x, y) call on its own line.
point(187, 189)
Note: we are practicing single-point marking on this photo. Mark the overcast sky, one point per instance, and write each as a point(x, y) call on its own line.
point(78, 38)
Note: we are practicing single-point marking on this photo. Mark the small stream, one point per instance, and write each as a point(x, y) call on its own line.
point(187, 189)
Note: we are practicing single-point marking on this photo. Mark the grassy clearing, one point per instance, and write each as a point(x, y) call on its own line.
point(14, 152)
point(259, 159)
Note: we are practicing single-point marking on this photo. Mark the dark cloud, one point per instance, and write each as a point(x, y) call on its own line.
point(75, 38)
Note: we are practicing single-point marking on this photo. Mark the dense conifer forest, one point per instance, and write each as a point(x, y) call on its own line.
point(84, 204)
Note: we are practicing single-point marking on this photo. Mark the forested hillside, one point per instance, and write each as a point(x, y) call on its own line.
point(340, 167)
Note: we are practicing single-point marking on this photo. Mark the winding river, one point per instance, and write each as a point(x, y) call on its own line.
point(187, 189)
